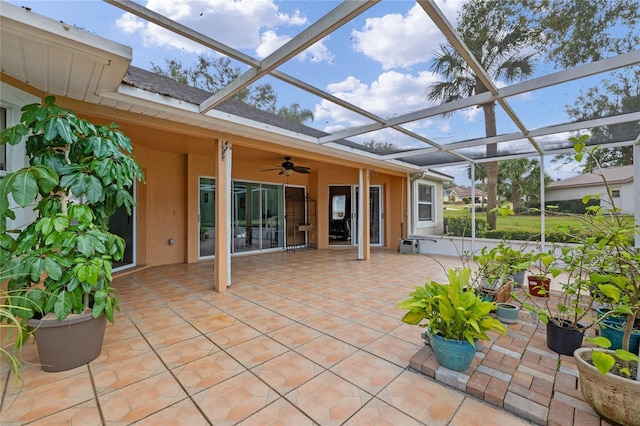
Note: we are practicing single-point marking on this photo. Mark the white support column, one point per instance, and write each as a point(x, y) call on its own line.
point(360, 215)
point(473, 208)
point(222, 263)
point(542, 205)
point(636, 190)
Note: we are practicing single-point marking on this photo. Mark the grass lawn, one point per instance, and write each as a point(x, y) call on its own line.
point(528, 223)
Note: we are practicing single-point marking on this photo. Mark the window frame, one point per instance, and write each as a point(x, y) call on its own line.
point(417, 203)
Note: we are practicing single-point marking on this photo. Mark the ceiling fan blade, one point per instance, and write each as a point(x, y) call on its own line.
point(301, 169)
point(269, 170)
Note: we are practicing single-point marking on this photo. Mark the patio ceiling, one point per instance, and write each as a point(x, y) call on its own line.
point(92, 69)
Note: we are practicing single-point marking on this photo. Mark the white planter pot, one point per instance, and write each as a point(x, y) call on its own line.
point(612, 396)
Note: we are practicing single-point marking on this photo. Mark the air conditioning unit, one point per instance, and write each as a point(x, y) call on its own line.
point(408, 246)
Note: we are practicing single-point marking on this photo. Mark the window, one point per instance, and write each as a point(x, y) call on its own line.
point(3, 148)
point(615, 193)
point(425, 202)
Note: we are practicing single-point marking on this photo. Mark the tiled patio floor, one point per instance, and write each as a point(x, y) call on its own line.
point(311, 337)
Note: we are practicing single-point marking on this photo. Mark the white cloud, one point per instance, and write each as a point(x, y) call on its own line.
point(396, 40)
point(129, 23)
point(392, 94)
point(270, 42)
point(239, 24)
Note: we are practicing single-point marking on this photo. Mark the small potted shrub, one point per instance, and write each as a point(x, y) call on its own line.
point(59, 266)
point(455, 317)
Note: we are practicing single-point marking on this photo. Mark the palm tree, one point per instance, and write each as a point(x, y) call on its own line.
point(498, 46)
point(480, 175)
point(295, 113)
point(517, 177)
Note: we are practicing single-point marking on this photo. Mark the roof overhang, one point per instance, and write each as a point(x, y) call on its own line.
point(65, 61)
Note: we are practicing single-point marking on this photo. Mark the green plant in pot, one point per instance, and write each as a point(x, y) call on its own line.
point(611, 264)
point(569, 313)
point(59, 266)
point(455, 318)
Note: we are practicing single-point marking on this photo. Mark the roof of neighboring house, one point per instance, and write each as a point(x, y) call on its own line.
point(614, 175)
point(464, 191)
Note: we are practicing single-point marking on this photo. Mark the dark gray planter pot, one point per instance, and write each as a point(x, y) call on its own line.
point(70, 343)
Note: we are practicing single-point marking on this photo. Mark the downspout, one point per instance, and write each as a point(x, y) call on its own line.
point(636, 189)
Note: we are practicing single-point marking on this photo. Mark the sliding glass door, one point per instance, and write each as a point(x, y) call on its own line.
point(257, 216)
point(207, 216)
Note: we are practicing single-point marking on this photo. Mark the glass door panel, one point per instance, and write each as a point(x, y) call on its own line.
point(207, 217)
point(272, 235)
point(258, 213)
point(122, 224)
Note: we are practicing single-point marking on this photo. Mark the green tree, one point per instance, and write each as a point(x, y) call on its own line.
point(573, 32)
point(381, 147)
point(499, 44)
point(519, 180)
point(618, 94)
point(480, 175)
point(212, 74)
point(295, 113)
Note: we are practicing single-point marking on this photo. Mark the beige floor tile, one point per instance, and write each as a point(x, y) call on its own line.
point(357, 335)
point(280, 412)
point(187, 351)
point(294, 335)
point(205, 372)
point(169, 336)
point(329, 399)
point(110, 377)
point(42, 401)
point(367, 371)
point(393, 349)
point(213, 322)
point(287, 371)
point(269, 322)
point(379, 413)
point(421, 398)
point(235, 399)
point(115, 352)
point(233, 335)
point(85, 414)
point(476, 413)
point(326, 351)
point(141, 399)
point(326, 323)
point(182, 413)
point(256, 351)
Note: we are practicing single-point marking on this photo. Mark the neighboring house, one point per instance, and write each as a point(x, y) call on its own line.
point(619, 179)
point(216, 182)
point(460, 193)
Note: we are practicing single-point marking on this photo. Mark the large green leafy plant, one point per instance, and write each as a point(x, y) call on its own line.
point(78, 174)
point(452, 310)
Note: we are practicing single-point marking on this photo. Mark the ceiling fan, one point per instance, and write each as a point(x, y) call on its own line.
point(287, 168)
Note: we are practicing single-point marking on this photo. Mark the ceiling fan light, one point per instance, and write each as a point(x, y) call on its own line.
point(287, 172)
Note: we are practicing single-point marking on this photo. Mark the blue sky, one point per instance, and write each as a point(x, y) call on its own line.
point(379, 61)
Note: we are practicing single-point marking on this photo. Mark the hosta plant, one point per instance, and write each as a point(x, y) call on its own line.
point(452, 310)
point(78, 174)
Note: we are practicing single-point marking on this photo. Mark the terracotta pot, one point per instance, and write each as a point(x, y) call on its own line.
point(70, 343)
point(539, 286)
point(612, 396)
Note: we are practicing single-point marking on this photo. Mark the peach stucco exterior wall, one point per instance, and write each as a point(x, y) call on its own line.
point(174, 156)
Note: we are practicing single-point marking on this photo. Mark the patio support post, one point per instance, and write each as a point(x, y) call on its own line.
point(364, 238)
point(636, 187)
point(542, 203)
point(473, 208)
point(222, 263)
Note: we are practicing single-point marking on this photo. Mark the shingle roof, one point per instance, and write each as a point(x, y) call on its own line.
point(463, 191)
point(614, 175)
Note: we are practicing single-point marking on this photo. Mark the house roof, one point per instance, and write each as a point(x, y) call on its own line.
point(79, 65)
point(614, 176)
point(465, 191)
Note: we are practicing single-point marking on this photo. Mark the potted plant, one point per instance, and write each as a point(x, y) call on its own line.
point(59, 266)
point(455, 317)
point(493, 274)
